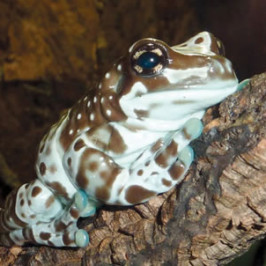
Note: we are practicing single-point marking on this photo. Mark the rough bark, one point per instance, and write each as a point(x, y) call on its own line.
point(212, 217)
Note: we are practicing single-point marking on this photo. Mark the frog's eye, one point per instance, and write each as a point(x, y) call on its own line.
point(149, 59)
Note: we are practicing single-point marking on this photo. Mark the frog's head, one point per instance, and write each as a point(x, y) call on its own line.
point(158, 82)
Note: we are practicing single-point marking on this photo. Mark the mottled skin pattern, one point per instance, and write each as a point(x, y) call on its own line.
point(123, 143)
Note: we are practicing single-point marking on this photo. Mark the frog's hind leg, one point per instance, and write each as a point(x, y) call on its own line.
point(25, 207)
point(43, 233)
point(35, 215)
point(63, 230)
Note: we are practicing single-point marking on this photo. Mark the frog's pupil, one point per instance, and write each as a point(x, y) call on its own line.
point(148, 60)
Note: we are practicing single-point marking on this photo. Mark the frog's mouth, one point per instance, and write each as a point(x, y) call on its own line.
point(172, 105)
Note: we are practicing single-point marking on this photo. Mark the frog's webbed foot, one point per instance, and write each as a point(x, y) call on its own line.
point(58, 230)
point(63, 230)
point(191, 130)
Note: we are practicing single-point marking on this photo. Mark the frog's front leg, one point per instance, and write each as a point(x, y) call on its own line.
point(162, 166)
point(156, 170)
point(34, 214)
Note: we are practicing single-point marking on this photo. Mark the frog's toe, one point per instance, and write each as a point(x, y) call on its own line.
point(84, 204)
point(243, 84)
point(192, 128)
point(89, 210)
point(186, 156)
point(81, 200)
point(82, 238)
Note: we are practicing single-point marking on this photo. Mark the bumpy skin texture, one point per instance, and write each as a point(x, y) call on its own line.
point(123, 143)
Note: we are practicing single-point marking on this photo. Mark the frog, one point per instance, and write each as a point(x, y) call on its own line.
point(124, 142)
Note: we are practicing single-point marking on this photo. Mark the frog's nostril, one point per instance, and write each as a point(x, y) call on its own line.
point(220, 48)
